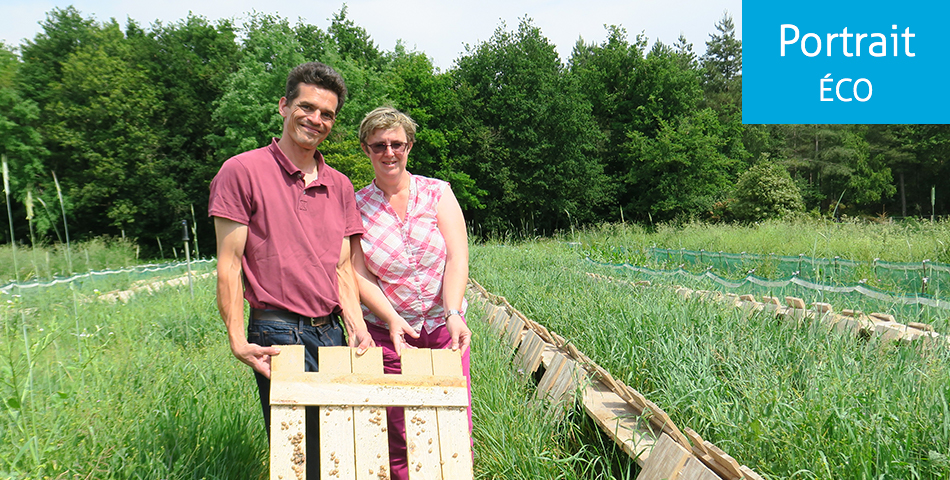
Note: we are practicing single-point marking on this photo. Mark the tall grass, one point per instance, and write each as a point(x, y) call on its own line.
point(44, 262)
point(907, 241)
point(150, 390)
point(791, 401)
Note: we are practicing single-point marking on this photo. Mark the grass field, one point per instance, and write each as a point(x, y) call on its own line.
point(149, 389)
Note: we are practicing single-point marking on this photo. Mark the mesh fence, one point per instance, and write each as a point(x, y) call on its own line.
point(924, 278)
point(907, 307)
point(106, 280)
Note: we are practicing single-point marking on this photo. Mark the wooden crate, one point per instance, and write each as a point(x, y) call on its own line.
point(352, 393)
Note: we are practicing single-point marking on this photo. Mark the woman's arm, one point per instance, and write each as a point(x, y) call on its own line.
point(374, 299)
point(451, 223)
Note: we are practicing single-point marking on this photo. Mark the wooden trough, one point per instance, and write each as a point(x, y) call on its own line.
point(352, 392)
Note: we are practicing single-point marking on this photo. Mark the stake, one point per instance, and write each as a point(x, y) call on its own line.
point(184, 224)
point(6, 193)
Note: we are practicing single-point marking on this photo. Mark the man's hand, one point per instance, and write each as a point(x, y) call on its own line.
point(256, 356)
point(461, 335)
point(361, 340)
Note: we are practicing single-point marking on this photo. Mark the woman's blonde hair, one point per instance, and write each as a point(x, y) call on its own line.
point(387, 118)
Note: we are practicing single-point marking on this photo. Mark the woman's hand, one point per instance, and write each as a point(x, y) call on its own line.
point(461, 335)
point(398, 329)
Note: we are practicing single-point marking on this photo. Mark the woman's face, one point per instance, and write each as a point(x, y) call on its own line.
point(388, 151)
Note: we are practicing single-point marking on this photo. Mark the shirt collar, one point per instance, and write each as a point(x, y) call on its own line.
point(292, 170)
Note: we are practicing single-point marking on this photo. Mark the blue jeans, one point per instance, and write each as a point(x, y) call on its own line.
point(267, 333)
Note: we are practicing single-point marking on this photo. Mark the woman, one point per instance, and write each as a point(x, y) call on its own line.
point(414, 267)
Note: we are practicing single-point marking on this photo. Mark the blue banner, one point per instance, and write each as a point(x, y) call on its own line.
point(845, 62)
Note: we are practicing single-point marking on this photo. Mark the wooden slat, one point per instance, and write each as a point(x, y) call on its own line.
point(551, 373)
point(697, 470)
point(455, 444)
point(614, 416)
point(337, 446)
point(528, 357)
point(371, 435)
point(513, 331)
point(422, 434)
point(666, 461)
point(288, 448)
point(338, 389)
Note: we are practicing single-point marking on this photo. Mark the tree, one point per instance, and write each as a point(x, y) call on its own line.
point(529, 134)
point(631, 90)
point(686, 169)
point(20, 142)
point(722, 68)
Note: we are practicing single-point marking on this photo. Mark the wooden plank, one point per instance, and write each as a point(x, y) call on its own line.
point(513, 331)
point(696, 470)
point(371, 435)
point(528, 357)
point(616, 418)
point(498, 322)
point(338, 389)
point(551, 374)
point(666, 461)
point(288, 446)
point(337, 438)
point(455, 441)
point(422, 433)
point(566, 384)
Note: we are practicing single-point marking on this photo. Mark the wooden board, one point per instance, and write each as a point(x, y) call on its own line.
point(338, 389)
point(337, 458)
point(422, 433)
point(528, 358)
point(513, 331)
point(370, 429)
point(666, 461)
point(455, 441)
point(615, 417)
point(288, 429)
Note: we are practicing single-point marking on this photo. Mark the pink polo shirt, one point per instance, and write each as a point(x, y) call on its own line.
point(295, 232)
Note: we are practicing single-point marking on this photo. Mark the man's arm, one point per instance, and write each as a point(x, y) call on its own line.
point(357, 333)
point(231, 237)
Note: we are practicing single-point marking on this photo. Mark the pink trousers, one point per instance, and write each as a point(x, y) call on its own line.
point(439, 338)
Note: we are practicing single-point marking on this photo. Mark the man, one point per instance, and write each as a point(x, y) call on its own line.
point(284, 222)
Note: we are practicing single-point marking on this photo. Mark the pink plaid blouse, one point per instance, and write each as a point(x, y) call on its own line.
point(408, 256)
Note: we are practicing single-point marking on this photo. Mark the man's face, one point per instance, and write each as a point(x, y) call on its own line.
point(308, 119)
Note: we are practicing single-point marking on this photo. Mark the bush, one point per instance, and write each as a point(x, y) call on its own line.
point(766, 191)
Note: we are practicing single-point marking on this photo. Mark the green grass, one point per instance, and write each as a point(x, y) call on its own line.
point(150, 390)
point(790, 401)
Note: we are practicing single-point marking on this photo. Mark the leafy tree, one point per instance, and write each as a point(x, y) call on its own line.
point(106, 114)
point(529, 134)
point(834, 162)
point(766, 191)
point(248, 105)
point(686, 169)
point(20, 142)
point(631, 90)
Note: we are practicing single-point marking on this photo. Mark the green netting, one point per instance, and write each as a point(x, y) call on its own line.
point(856, 296)
point(926, 277)
point(106, 280)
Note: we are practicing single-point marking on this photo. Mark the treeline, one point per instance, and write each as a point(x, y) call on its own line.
point(135, 122)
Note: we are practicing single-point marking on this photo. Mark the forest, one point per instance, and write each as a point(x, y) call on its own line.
point(118, 130)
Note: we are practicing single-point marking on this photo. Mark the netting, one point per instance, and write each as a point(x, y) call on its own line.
point(857, 296)
point(925, 277)
point(105, 280)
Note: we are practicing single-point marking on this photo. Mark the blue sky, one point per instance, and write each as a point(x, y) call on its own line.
point(437, 27)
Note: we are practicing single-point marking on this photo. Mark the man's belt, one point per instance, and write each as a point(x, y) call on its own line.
point(288, 317)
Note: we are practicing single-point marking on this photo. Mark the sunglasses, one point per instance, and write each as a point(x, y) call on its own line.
point(398, 147)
